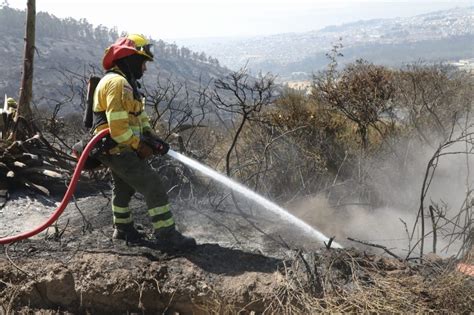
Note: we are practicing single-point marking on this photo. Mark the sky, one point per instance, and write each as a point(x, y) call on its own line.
point(180, 19)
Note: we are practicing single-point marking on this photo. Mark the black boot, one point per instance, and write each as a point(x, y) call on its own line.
point(171, 239)
point(127, 232)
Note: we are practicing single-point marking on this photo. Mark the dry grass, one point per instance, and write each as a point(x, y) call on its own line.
point(340, 281)
point(346, 281)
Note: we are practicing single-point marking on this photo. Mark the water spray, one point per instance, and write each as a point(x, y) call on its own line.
point(246, 192)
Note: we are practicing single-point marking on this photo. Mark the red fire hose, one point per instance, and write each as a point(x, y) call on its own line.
point(67, 196)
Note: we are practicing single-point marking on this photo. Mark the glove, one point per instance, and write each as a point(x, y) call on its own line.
point(144, 151)
point(159, 146)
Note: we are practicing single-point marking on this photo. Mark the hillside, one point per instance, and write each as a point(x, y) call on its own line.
point(378, 159)
point(444, 35)
point(67, 46)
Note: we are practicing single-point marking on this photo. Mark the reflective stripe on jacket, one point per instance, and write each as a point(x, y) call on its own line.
point(126, 116)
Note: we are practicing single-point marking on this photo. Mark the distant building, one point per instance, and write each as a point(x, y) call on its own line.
point(304, 86)
point(465, 64)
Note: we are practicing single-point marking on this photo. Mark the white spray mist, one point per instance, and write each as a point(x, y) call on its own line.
point(253, 196)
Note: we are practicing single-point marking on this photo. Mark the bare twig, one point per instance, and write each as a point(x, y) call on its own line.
point(15, 265)
point(377, 246)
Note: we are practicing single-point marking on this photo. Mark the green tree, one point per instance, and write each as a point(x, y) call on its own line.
point(362, 92)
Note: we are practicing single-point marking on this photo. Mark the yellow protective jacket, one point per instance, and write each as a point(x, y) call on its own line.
point(126, 116)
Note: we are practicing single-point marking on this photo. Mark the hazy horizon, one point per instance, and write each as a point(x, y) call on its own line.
point(182, 20)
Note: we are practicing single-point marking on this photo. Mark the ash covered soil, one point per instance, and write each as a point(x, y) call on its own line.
point(76, 267)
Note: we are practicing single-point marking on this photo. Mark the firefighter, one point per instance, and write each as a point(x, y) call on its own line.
point(12, 106)
point(119, 106)
point(8, 116)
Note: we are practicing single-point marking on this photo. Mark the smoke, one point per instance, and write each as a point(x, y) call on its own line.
point(381, 226)
point(398, 185)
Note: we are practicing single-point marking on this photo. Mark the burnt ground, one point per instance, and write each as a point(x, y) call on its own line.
point(76, 267)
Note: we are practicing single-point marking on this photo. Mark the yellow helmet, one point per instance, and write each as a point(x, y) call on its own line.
point(142, 45)
point(11, 102)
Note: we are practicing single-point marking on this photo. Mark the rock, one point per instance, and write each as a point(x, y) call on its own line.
point(58, 287)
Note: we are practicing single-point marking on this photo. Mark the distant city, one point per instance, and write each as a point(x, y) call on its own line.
point(438, 36)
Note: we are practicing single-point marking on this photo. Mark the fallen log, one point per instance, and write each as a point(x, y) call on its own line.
point(36, 165)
